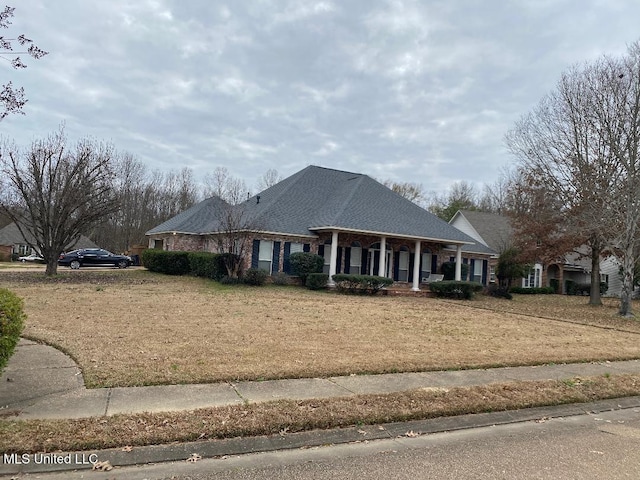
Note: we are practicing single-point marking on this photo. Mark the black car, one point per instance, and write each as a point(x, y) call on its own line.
point(93, 257)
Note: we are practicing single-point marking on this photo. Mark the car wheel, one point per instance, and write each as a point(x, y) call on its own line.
point(23, 261)
point(123, 264)
point(75, 264)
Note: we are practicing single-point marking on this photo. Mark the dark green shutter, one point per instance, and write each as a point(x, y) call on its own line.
point(485, 271)
point(363, 269)
point(275, 265)
point(434, 263)
point(255, 254)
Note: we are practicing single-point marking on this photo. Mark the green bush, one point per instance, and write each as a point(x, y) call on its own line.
point(554, 283)
point(316, 281)
point(499, 292)
point(11, 323)
point(204, 264)
point(255, 277)
point(532, 291)
point(360, 284)
point(167, 262)
point(225, 260)
point(448, 269)
point(453, 289)
point(227, 280)
point(305, 263)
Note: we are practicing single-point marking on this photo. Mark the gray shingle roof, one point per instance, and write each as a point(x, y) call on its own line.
point(318, 198)
point(494, 229)
point(10, 235)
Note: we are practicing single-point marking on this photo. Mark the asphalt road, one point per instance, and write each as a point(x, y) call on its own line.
point(598, 446)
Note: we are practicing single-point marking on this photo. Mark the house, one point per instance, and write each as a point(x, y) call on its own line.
point(495, 232)
point(357, 224)
point(13, 244)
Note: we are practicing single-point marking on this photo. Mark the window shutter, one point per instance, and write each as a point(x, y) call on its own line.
point(339, 260)
point(485, 269)
point(365, 255)
point(321, 250)
point(472, 270)
point(396, 265)
point(255, 254)
point(347, 259)
point(306, 247)
point(275, 266)
point(286, 267)
point(412, 257)
point(434, 263)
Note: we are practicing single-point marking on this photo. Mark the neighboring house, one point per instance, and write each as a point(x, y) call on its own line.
point(12, 242)
point(358, 225)
point(495, 232)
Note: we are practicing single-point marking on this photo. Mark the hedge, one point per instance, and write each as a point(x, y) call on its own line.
point(574, 288)
point(11, 323)
point(255, 277)
point(360, 284)
point(532, 291)
point(453, 289)
point(198, 264)
point(498, 291)
point(304, 263)
point(316, 281)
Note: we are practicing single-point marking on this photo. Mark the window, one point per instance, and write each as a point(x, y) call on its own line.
point(492, 274)
point(403, 265)
point(327, 258)
point(158, 244)
point(22, 250)
point(265, 255)
point(604, 278)
point(533, 278)
point(296, 248)
point(356, 260)
point(477, 271)
point(426, 267)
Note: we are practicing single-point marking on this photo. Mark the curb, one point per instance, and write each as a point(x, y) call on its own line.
point(68, 461)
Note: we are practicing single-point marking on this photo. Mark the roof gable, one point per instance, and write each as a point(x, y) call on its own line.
point(494, 230)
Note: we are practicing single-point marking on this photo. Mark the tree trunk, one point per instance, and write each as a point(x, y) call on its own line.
point(627, 283)
point(52, 267)
point(594, 294)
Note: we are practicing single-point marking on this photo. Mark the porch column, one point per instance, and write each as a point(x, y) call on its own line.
point(383, 257)
point(333, 260)
point(458, 263)
point(416, 267)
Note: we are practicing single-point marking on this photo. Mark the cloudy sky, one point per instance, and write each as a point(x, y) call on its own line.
point(414, 91)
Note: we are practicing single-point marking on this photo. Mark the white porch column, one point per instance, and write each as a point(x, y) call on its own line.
point(383, 257)
point(416, 267)
point(459, 263)
point(333, 260)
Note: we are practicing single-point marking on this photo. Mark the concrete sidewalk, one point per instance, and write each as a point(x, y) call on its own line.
point(42, 382)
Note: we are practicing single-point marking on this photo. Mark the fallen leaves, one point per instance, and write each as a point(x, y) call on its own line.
point(194, 457)
point(103, 466)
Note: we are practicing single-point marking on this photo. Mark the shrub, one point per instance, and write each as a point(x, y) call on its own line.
point(316, 281)
point(574, 288)
point(499, 292)
point(532, 291)
point(360, 284)
point(203, 264)
point(169, 263)
point(11, 323)
point(448, 269)
point(555, 284)
point(453, 289)
point(255, 277)
point(280, 278)
point(227, 280)
point(304, 263)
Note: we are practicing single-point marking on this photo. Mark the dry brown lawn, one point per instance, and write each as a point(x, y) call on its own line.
point(132, 328)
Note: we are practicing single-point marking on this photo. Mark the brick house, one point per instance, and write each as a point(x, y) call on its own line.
point(357, 224)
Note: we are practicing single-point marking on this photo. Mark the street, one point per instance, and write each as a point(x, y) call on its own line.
point(598, 446)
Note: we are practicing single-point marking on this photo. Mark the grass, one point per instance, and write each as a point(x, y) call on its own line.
point(128, 328)
point(135, 328)
point(30, 436)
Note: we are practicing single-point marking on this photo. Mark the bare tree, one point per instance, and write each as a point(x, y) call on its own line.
point(13, 99)
point(581, 144)
point(411, 191)
point(461, 196)
point(55, 193)
point(268, 179)
point(224, 185)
